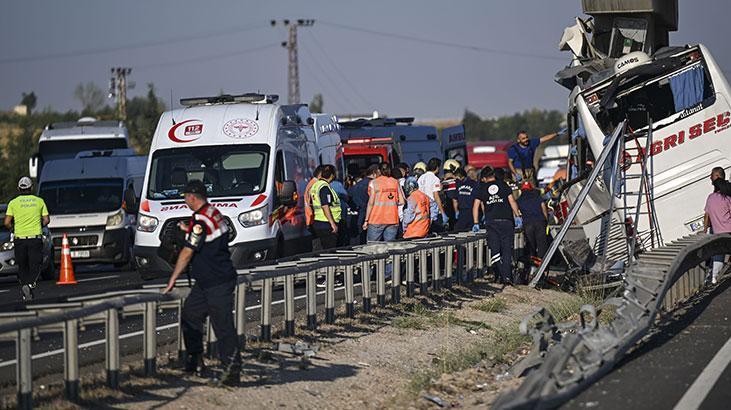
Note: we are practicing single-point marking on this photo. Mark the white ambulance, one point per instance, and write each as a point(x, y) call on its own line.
point(254, 157)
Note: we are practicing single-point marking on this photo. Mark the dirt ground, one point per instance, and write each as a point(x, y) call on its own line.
point(447, 349)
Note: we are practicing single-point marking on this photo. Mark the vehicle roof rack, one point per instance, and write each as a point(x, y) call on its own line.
point(251, 98)
point(376, 122)
point(85, 122)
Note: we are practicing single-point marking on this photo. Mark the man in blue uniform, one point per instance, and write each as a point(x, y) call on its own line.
point(466, 190)
point(206, 249)
point(501, 217)
point(521, 155)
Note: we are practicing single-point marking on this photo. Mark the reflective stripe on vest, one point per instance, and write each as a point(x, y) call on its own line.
point(385, 201)
point(335, 209)
point(419, 227)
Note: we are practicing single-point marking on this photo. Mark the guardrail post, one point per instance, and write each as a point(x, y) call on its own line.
point(24, 369)
point(150, 336)
point(460, 263)
point(381, 282)
point(241, 314)
point(410, 274)
point(312, 300)
point(470, 260)
point(480, 258)
point(449, 265)
point(349, 292)
point(436, 269)
point(396, 279)
point(112, 348)
point(365, 279)
point(423, 274)
point(71, 359)
point(289, 305)
point(330, 294)
point(266, 310)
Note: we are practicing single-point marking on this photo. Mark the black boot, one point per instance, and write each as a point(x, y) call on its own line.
point(195, 364)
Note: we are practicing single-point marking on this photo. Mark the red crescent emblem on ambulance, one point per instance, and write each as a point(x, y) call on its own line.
point(191, 132)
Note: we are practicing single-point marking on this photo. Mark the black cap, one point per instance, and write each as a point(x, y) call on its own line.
point(195, 187)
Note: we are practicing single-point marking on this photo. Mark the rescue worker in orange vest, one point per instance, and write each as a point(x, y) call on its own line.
point(385, 196)
point(309, 212)
point(419, 212)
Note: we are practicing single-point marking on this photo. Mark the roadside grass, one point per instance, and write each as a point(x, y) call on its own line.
point(492, 305)
point(419, 317)
point(496, 347)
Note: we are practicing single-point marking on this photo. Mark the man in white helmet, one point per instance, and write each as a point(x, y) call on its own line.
point(25, 218)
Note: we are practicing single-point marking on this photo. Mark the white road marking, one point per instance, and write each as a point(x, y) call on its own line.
point(4, 290)
point(97, 278)
point(694, 396)
point(140, 332)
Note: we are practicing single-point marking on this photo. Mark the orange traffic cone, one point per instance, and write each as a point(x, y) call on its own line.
point(66, 274)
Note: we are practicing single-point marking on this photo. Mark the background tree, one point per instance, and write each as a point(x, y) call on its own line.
point(317, 104)
point(143, 114)
point(536, 122)
point(91, 97)
point(29, 100)
point(18, 148)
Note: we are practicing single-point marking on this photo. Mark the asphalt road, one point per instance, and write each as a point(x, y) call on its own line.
point(682, 366)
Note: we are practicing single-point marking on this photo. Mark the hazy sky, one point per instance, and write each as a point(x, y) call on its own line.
point(360, 54)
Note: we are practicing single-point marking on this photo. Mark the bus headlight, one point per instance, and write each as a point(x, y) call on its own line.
point(115, 220)
point(253, 218)
point(147, 223)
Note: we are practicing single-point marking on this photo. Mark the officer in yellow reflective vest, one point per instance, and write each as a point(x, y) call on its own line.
point(326, 207)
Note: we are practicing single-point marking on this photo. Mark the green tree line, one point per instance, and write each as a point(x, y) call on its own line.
point(535, 122)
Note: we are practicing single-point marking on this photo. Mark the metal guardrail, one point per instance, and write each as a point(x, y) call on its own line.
point(568, 357)
point(454, 258)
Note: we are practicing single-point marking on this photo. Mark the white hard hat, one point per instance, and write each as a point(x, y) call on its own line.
point(25, 183)
point(451, 165)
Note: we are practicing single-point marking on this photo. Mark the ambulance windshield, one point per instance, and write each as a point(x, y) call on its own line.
point(226, 170)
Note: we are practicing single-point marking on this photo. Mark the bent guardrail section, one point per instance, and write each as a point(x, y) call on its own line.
point(566, 358)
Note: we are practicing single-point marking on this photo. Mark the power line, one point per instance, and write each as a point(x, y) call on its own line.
point(321, 83)
point(443, 43)
point(133, 46)
point(208, 57)
point(340, 73)
point(334, 84)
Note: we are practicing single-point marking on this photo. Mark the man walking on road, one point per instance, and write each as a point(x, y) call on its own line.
point(521, 156)
point(501, 216)
point(206, 249)
point(25, 218)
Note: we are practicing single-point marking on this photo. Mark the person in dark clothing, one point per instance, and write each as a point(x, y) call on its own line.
point(466, 190)
point(206, 250)
point(535, 215)
point(501, 217)
point(359, 199)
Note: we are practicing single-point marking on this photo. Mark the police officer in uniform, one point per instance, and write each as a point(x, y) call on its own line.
point(25, 217)
point(501, 217)
point(326, 208)
point(206, 249)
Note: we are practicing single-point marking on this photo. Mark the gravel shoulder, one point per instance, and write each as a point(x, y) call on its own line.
point(449, 348)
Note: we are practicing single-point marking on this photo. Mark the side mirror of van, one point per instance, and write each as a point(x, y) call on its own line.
point(33, 166)
point(287, 193)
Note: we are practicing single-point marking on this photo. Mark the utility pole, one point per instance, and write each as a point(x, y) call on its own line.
point(293, 78)
point(118, 88)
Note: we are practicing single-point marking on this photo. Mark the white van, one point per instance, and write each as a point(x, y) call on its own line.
point(93, 200)
point(63, 140)
point(255, 158)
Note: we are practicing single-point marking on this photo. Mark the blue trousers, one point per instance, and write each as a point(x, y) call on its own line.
point(500, 239)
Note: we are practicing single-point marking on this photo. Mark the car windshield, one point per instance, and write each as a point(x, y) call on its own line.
point(356, 164)
point(226, 170)
point(82, 196)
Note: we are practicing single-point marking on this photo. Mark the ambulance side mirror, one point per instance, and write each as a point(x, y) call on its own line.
point(287, 193)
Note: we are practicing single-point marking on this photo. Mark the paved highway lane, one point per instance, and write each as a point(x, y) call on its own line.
point(683, 366)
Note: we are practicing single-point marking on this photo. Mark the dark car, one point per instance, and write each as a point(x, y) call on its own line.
point(7, 252)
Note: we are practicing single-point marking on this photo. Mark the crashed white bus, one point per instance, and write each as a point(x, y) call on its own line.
point(625, 73)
